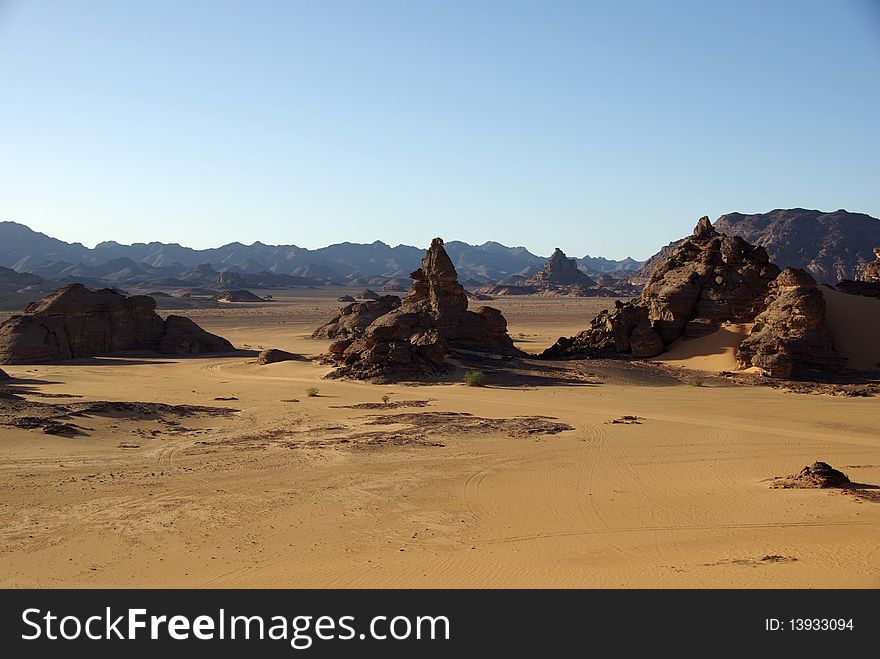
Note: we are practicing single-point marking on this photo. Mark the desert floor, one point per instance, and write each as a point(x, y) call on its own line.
point(288, 490)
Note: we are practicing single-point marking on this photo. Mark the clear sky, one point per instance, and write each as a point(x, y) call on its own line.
point(605, 128)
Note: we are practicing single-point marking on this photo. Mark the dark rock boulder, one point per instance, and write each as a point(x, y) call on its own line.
point(367, 294)
point(345, 298)
point(273, 356)
point(791, 337)
point(75, 321)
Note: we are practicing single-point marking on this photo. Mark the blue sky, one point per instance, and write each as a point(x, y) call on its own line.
point(605, 128)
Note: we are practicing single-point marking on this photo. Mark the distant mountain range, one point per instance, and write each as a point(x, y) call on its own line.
point(831, 246)
point(168, 264)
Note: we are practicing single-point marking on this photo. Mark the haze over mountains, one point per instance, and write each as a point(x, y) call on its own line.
point(28, 251)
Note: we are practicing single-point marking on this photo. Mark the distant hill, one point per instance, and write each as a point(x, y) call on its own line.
point(831, 246)
point(164, 264)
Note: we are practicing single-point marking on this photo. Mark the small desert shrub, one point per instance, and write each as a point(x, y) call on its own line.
point(386, 398)
point(311, 392)
point(475, 379)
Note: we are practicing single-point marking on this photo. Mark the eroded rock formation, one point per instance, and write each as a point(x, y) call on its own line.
point(791, 337)
point(410, 340)
point(559, 270)
point(705, 280)
point(75, 322)
point(624, 330)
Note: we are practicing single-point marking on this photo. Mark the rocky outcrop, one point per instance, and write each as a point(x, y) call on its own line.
point(3, 375)
point(181, 336)
point(238, 296)
point(229, 279)
point(871, 272)
point(818, 475)
point(367, 294)
point(75, 322)
point(353, 319)
point(559, 270)
point(412, 340)
point(345, 298)
point(705, 280)
point(623, 330)
point(791, 337)
point(273, 356)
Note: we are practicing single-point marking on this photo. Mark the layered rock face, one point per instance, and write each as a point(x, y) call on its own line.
point(705, 280)
point(791, 337)
point(412, 339)
point(77, 322)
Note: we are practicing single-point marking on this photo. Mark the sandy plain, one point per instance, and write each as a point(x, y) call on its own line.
point(287, 490)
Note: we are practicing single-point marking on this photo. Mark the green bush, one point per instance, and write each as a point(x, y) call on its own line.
point(475, 379)
point(386, 398)
point(312, 392)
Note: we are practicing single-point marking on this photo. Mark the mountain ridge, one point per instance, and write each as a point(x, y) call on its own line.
point(26, 250)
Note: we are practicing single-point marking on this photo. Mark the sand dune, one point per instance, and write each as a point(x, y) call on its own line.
point(300, 493)
point(714, 352)
point(855, 324)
